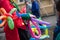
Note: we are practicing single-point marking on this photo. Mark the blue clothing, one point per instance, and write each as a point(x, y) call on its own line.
point(35, 9)
point(56, 32)
point(36, 13)
point(0, 21)
point(35, 6)
point(58, 20)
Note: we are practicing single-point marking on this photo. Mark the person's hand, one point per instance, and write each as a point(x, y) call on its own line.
point(32, 16)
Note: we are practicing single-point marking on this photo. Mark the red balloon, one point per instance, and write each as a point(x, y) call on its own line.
point(23, 10)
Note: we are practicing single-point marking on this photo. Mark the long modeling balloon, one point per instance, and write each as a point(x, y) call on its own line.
point(41, 22)
point(10, 23)
point(13, 10)
point(24, 16)
point(33, 34)
point(15, 5)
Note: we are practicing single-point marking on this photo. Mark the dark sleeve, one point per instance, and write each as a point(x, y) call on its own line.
point(56, 1)
point(58, 6)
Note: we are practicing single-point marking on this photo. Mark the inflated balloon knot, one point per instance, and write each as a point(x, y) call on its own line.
point(8, 15)
point(25, 16)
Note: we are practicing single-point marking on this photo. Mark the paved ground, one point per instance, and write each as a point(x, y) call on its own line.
point(51, 19)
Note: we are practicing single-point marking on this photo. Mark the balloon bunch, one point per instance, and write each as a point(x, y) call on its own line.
point(45, 35)
point(35, 22)
point(37, 27)
point(44, 26)
point(8, 17)
point(27, 17)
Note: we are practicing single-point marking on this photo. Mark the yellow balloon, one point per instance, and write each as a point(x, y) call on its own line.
point(44, 35)
point(35, 30)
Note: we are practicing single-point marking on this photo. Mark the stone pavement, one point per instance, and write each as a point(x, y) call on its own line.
point(51, 19)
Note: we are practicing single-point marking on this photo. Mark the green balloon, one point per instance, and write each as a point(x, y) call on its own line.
point(16, 6)
point(12, 10)
point(39, 18)
point(25, 16)
point(10, 23)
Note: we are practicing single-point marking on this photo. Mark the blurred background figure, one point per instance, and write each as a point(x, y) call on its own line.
point(35, 8)
point(57, 29)
point(28, 6)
